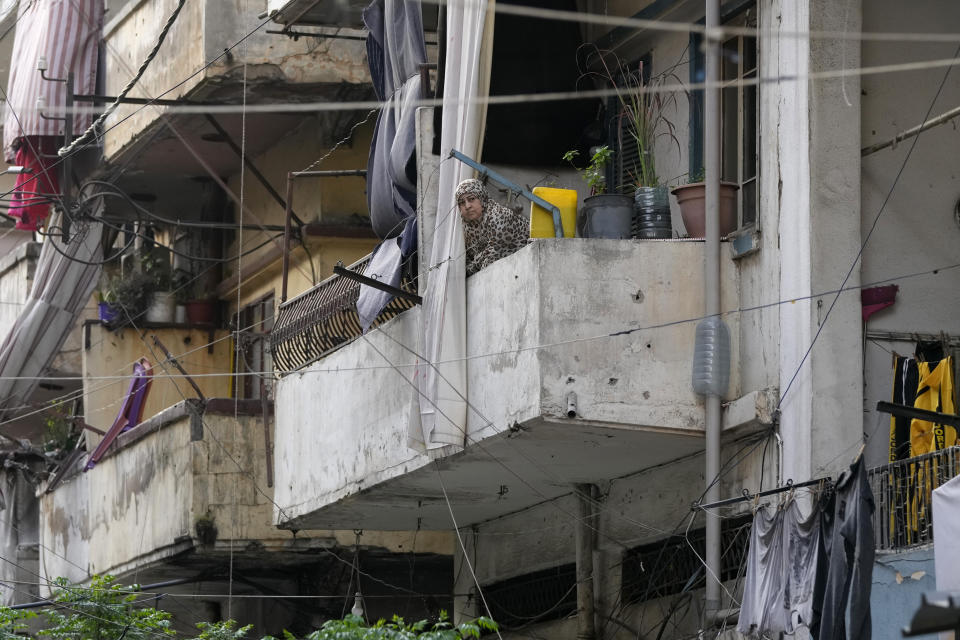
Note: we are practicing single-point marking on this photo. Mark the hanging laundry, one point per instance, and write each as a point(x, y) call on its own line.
point(845, 566)
point(781, 570)
point(905, 378)
point(935, 392)
point(37, 186)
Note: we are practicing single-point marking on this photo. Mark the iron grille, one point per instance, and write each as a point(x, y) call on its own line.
point(533, 597)
point(902, 490)
point(670, 566)
point(324, 318)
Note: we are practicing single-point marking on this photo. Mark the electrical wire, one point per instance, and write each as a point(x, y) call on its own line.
point(125, 376)
point(873, 226)
point(92, 129)
point(841, 288)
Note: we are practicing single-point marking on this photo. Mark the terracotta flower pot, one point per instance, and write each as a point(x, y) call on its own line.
point(201, 311)
point(692, 201)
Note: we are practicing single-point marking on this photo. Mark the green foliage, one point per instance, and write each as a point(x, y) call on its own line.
point(222, 630)
point(645, 104)
point(130, 295)
point(594, 174)
point(103, 611)
point(155, 264)
point(354, 628)
point(12, 623)
point(106, 610)
point(59, 434)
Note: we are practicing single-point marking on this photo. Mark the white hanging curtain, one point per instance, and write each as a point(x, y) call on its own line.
point(62, 286)
point(443, 386)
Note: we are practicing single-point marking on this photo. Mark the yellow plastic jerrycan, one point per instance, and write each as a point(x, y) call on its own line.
point(541, 220)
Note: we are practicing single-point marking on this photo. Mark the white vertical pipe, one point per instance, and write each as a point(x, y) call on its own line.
point(711, 134)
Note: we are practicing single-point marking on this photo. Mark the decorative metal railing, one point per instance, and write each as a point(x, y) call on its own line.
point(902, 491)
point(323, 319)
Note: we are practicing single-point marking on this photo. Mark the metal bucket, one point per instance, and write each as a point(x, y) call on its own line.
point(651, 214)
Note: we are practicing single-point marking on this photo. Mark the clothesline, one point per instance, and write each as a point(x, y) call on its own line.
point(750, 496)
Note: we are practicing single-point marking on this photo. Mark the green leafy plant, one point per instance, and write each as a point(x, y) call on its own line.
point(155, 264)
point(59, 434)
point(223, 630)
point(644, 103)
point(594, 174)
point(13, 623)
point(130, 295)
point(354, 628)
point(104, 610)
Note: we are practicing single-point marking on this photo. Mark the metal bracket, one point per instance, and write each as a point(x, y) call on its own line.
point(904, 411)
point(340, 270)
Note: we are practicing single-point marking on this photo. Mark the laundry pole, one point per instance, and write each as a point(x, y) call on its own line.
point(711, 166)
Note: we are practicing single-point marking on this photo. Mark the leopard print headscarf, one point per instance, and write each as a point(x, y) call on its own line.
point(473, 187)
point(497, 234)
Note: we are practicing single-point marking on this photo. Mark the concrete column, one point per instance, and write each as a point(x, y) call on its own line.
point(815, 148)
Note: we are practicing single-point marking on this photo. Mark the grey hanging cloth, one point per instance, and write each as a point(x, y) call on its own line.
point(781, 568)
point(386, 265)
point(845, 570)
point(395, 50)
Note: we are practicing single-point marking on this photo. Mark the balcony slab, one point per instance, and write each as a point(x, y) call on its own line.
point(609, 321)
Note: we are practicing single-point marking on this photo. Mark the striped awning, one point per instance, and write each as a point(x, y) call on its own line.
point(66, 34)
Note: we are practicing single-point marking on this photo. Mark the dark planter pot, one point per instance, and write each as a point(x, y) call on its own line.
point(692, 201)
point(107, 313)
point(651, 213)
point(201, 311)
point(608, 215)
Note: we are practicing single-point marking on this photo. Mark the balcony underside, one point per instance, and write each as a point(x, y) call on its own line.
point(180, 145)
point(532, 463)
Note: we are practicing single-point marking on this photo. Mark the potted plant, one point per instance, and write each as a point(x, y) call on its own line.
point(107, 311)
point(692, 197)
point(604, 215)
point(127, 297)
point(155, 265)
point(642, 115)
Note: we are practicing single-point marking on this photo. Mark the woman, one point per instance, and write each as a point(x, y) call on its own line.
point(490, 230)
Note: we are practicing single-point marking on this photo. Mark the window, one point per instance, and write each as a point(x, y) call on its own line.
point(670, 566)
point(253, 326)
point(739, 106)
point(738, 116)
point(534, 597)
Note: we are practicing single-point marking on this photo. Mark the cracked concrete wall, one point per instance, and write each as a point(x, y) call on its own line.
point(556, 290)
point(274, 63)
point(142, 503)
point(899, 580)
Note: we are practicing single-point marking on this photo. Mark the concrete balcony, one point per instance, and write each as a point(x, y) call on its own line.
point(184, 481)
point(271, 68)
point(542, 324)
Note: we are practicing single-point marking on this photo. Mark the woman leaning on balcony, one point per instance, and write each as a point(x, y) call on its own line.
point(490, 230)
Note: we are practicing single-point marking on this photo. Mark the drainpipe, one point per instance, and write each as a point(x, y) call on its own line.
point(711, 130)
point(586, 542)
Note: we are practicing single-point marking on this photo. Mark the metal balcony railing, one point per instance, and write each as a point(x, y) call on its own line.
point(902, 490)
point(323, 319)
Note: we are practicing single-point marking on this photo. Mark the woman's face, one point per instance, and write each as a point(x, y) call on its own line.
point(471, 208)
